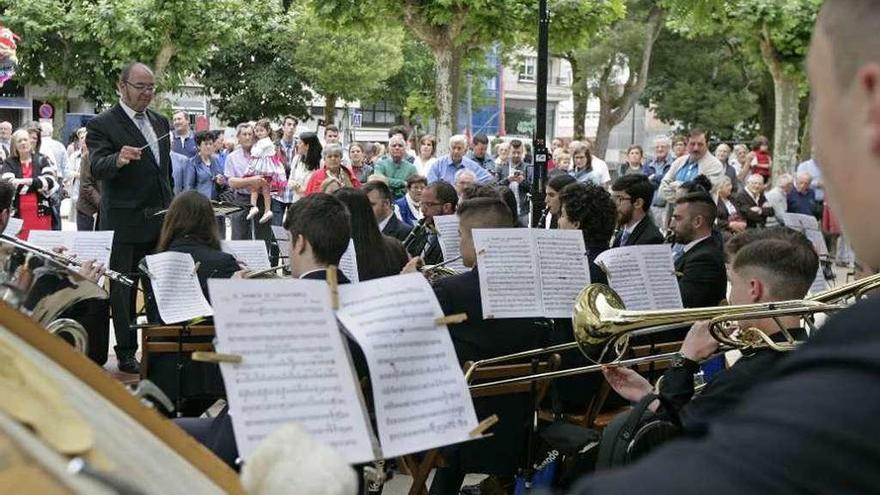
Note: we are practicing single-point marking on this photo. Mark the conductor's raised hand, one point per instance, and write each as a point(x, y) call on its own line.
point(126, 155)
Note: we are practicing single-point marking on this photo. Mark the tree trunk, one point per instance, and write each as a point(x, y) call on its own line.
point(615, 109)
point(444, 93)
point(786, 95)
point(580, 94)
point(603, 131)
point(329, 109)
point(163, 58)
point(806, 150)
point(59, 119)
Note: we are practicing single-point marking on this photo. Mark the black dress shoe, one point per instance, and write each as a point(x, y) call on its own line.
point(128, 364)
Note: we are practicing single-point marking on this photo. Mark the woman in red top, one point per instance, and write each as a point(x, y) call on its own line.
point(332, 168)
point(761, 161)
point(34, 179)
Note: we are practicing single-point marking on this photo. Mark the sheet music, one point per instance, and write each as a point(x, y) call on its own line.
point(420, 395)
point(13, 226)
point(643, 276)
point(282, 236)
point(250, 252)
point(176, 287)
point(450, 240)
point(348, 264)
point(295, 366)
point(85, 245)
point(809, 226)
point(510, 285)
point(564, 269)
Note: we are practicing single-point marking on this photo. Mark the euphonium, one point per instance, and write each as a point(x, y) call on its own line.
point(71, 331)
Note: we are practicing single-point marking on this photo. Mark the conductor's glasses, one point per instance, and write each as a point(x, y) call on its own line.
point(143, 88)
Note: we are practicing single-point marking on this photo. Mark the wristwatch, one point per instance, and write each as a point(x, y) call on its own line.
point(680, 361)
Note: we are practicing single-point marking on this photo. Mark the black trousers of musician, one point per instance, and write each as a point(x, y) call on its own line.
point(85, 223)
point(124, 259)
point(242, 228)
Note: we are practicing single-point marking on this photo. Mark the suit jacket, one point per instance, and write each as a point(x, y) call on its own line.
point(646, 232)
point(744, 203)
point(477, 339)
point(786, 419)
point(395, 228)
point(406, 215)
point(216, 433)
point(131, 195)
point(702, 277)
point(89, 201)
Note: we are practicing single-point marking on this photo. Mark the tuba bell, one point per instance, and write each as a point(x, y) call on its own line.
point(72, 332)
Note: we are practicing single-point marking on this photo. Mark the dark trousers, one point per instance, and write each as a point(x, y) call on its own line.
point(242, 228)
point(278, 208)
point(84, 222)
point(124, 259)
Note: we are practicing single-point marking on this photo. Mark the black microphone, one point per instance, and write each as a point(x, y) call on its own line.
point(414, 234)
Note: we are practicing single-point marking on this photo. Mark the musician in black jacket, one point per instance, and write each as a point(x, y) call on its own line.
point(776, 264)
point(810, 427)
point(190, 227)
point(439, 198)
point(381, 201)
point(633, 195)
point(319, 229)
point(700, 266)
point(476, 339)
point(130, 155)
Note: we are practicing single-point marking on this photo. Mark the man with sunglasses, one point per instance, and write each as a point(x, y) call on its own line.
point(130, 155)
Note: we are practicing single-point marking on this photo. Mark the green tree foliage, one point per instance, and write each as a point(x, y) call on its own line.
point(450, 29)
point(721, 96)
point(351, 62)
point(779, 32)
point(255, 76)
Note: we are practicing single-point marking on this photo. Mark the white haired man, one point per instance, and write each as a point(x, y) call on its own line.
point(445, 168)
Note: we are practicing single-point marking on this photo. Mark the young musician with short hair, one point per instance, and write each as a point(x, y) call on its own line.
point(320, 228)
point(776, 264)
point(700, 265)
point(811, 425)
point(632, 194)
point(476, 339)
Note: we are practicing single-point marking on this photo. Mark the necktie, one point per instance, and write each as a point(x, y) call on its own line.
point(677, 251)
point(140, 118)
point(624, 236)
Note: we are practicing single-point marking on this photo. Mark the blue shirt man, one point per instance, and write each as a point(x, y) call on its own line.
point(183, 141)
point(445, 168)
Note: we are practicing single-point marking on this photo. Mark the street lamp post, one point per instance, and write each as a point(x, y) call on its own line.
point(540, 141)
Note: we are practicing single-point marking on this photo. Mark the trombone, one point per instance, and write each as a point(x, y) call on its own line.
point(601, 323)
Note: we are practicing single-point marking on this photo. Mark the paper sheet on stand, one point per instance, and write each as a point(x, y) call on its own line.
point(450, 240)
point(510, 285)
point(250, 252)
point(176, 287)
point(420, 395)
point(643, 276)
point(13, 227)
point(348, 264)
point(295, 365)
point(282, 237)
point(564, 269)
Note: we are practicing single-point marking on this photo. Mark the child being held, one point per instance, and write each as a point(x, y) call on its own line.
point(261, 164)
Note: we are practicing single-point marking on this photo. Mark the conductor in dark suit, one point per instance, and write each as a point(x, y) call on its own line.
point(130, 155)
point(633, 195)
point(701, 273)
point(477, 339)
point(380, 200)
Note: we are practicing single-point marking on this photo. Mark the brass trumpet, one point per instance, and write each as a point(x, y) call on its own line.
point(601, 323)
